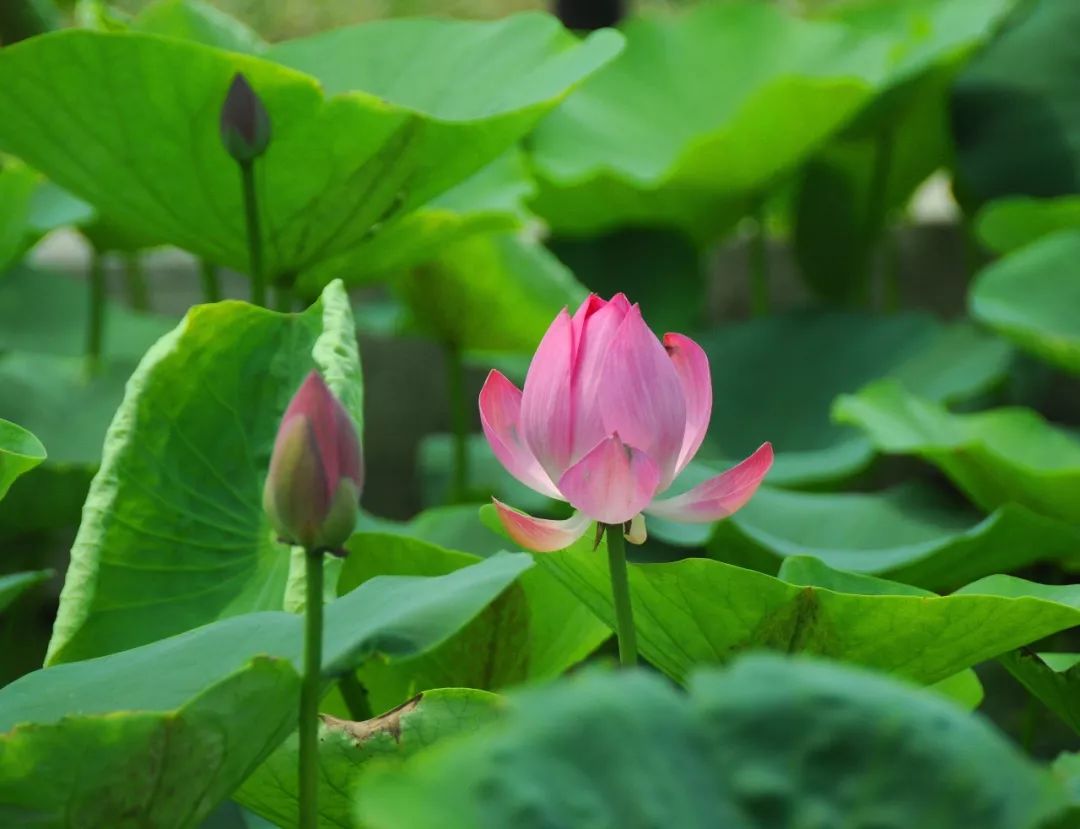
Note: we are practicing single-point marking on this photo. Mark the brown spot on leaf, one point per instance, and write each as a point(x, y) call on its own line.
point(388, 723)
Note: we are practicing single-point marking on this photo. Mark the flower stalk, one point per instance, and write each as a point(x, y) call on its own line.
point(95, 331)
point(310, 691)
point(311, 499)
point(245, 134)
point(254, 236)
point(620, 591)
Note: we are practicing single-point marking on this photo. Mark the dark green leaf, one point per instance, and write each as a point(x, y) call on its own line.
point(1054, 678)
point(765, 370)
point(756, 747)
point(535, 630)
point(346, 748)
point(996, 457)
point(1033, 298)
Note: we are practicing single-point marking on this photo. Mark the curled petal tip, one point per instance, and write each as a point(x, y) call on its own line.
point(721, 496)
point(541, 535)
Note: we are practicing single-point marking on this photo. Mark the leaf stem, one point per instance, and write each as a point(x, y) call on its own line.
point(620, 591)
point(356, 697)
point(251, 219)
point(95, 331)
point(211, 281)
point(135, 282)
point(455, 383)
point(309, 691)
point(760, 301)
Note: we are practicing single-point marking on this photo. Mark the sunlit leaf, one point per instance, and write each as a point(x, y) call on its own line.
point(173, 533)
point(386, 141)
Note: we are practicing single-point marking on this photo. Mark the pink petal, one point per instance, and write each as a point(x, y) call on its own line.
point(612, 483)
point(595, 325)
point(718, 497)
point(546, 425)
point(541, 535)
point(500, 415)
point(640, 395)
point(692, 368)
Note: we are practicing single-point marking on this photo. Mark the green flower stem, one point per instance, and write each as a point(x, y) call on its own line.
point(251, 217)
point(760, 301)
point(135, 282)
point(309, 692)
point(284, 300)
point(878, 209)
point(211, 282)
point(459, 414)
point(95, 332)
point(620, 591)
point(356, 697)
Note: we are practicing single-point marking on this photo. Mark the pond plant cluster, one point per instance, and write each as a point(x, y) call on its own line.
point(808, 568)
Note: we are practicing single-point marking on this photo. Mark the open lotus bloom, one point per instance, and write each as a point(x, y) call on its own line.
point(607, 420)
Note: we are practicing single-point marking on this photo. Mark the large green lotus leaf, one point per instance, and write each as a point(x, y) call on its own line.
point(1031, 297)
point(17, 185)
point(766, 369)
point(20, 452)
point(493, 292)
point(905, 533)
point(995, 457)
point(1054, 678)
point(699, 611)
point(1015, 108)
point(491, 201)
point(388, 139)
point(14, 585)
point(346, 748)
point(771, 742)
point(46, 313)
point(846, 193)
point(1008, 224)
point(534, 631)
point(173, 533)
point(199, 22)
point(700, 113)
point(174, 726)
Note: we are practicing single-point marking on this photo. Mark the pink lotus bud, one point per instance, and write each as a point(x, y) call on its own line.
point(312, 493)
point(245, 123)
point(608, 417)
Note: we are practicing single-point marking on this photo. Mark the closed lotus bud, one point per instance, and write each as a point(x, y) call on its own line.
point(312, 493)
point(245, 123)
point(589, 15)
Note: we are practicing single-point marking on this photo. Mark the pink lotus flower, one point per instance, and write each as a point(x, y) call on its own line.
point(312, 493)
point(608, 418)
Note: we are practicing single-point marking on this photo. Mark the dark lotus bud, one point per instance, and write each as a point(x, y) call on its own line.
point(587, 15)
point(312, 493)
point(245, 124)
